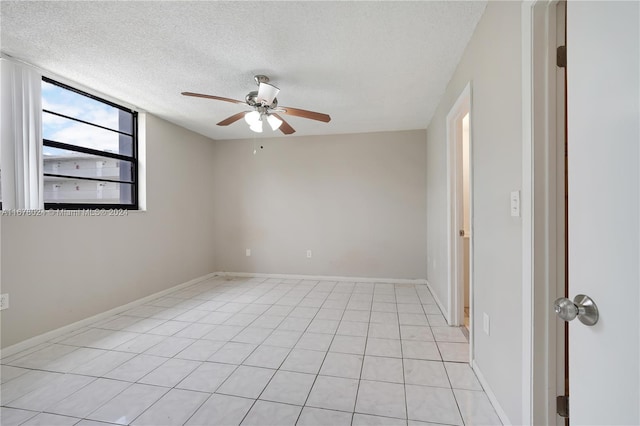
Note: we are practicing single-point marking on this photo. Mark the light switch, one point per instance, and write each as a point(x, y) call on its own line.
point(515, 203)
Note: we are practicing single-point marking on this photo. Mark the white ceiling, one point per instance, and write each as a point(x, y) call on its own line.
point(373, 66)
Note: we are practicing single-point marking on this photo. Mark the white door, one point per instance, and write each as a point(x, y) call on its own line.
point(603, 55)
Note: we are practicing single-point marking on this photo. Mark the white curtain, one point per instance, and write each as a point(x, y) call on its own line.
point(21, 143)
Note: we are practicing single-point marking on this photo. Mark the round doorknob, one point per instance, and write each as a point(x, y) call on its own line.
point(565, 309)
point(582, 307)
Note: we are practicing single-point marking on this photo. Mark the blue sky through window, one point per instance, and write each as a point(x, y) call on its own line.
point(72, 104)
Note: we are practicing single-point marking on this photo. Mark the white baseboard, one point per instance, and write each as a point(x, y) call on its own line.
point(42, 338)
point(444, 311)
point(492, 397)
point(325, 278)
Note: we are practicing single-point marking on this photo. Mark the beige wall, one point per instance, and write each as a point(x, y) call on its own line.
point(357, 201)
point(59, 270)
point(492, 61)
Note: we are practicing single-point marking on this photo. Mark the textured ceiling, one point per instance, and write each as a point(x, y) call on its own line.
point(373, 66)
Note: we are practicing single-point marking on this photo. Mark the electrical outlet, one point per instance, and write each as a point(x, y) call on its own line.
point(485, 323)
point(248, 252)
point(4, 301)
point(309, 254)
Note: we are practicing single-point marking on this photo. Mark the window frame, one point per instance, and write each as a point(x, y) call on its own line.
point(133, 159)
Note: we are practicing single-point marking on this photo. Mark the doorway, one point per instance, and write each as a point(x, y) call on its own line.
point(549, 220)
point(465, 231)
point(603, 181)
point(460, 213)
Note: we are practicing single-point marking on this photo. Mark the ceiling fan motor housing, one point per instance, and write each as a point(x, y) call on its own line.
point(252, 100)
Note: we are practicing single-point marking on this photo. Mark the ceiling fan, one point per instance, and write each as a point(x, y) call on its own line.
point(265, 107)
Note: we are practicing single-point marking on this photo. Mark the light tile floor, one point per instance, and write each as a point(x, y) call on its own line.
point(255, 351)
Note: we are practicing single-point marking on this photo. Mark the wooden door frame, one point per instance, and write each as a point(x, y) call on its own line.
point(455, 222)
point(543, 215)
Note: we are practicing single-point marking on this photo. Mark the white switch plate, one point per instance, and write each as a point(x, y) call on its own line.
point(485, 323)
point(248, 252)
point(309, 254)
point(515, 204)
point(4, 301)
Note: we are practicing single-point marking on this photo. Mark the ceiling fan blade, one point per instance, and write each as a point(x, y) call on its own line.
point(267, 93)
point(218, 98)
point(232, 119)
point(284, 127)
point(305, 114)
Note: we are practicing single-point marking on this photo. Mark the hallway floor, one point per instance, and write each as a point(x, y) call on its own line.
point(255, 351)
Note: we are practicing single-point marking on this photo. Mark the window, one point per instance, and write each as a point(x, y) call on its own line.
point(89, 150)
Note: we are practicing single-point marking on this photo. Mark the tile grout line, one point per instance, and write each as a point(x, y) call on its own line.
point(323, 359)
point(238, 366)
point(267, 385)
point(364, 354)
point(446, 372)
point(404, 378)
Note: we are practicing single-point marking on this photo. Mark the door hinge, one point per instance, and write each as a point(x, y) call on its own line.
point(562, 405)
point(561, 56)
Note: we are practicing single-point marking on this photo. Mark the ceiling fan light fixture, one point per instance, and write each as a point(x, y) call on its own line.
point(252, 117)
point(256, 127)
point(267, 93)
point(274, 122)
